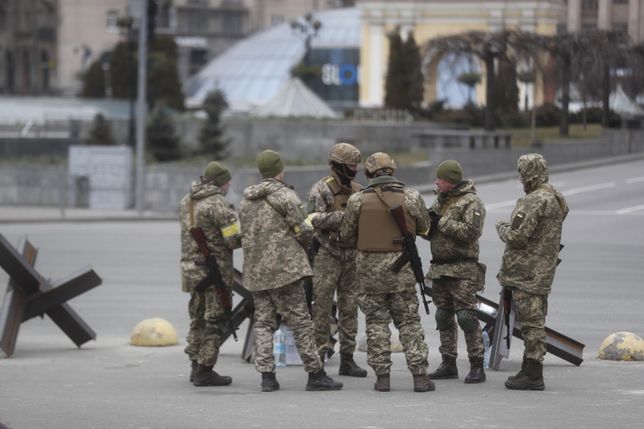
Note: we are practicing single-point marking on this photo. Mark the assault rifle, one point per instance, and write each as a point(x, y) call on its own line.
point(411, 252)
point(311, 252)
point(213, 277)
point(507, 307)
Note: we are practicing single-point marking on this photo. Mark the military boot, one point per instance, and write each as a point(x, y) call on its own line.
point(320, 381)
point(532, 378)
point(446, 370)
point(193, 370)
point(269, 382)
point(382, 383)
point(205, 376)
point(521, 372)
point(477, 373)
point(422, 383)
point(349, 367)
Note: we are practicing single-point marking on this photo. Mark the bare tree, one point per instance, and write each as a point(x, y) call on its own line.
point(488, 47)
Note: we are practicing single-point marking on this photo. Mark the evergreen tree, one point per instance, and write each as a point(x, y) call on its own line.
point(162, 139)
point(404, 84)
point(414, 80)
point(101, 132)
point(211, 139)
point(93, 81)
point(162, 76)
point(395, 92)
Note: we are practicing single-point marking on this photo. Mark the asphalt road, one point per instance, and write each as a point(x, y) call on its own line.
point(598, 290)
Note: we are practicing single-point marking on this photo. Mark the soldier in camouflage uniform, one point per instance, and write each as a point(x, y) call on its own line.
point(274, 238)
point(334, 267)
point(457, 217)
point(388, 295)
point(532, 242)
point(206, 207)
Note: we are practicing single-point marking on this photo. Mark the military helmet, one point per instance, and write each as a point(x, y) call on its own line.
point(345, 153)
point(379, 161)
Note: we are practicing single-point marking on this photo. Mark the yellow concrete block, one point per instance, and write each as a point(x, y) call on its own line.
point(622, 346)
point(154, 332)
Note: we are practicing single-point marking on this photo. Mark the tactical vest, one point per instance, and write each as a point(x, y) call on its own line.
point(340, 196)
point(377, 228)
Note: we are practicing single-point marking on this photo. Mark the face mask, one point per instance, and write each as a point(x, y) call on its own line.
point(344, 173)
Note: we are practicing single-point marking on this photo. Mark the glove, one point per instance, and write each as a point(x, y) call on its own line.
point(433, 220)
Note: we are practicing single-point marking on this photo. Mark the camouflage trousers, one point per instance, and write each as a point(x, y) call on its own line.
point(332, 276)
point(207, 326)
point(531, 312)
point(290, 303)
point(402, 307)
point(451, 295)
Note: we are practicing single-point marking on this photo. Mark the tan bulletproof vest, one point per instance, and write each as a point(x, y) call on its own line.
point(340, 196)
point(377, 228)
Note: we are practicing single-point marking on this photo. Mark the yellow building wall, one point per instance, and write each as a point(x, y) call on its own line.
point(429, 21)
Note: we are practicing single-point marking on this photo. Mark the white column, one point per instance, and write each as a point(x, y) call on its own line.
point(574, 16)
point(604, 18)
point(376, 72)
point(634, 8)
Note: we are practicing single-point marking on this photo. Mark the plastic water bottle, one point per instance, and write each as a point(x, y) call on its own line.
point(486, 349)
point(279, 348)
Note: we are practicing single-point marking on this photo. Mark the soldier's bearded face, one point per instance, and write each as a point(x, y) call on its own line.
point(444, 186)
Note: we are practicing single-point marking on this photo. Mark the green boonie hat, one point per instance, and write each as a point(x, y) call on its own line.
point(450, 171)
point(216, 173)
point(269, 163)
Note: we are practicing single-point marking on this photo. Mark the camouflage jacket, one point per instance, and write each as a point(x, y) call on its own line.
point(374, 272)
point(274, 236)
point(532, 237)
point(455, 240)
point(207, 207)
point(320, 200)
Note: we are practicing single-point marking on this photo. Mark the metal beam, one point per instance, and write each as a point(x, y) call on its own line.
point(30, 295)
point(66, 289)
point(25, 277)
point(13, 306)
point(557, 343)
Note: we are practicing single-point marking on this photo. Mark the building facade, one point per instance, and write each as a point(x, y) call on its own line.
point(45, 45)
point(28, 40)
point(618, 15)
point(435, 18)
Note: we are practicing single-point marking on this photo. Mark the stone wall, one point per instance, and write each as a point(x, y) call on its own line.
point(479, 161)
point(48, 185)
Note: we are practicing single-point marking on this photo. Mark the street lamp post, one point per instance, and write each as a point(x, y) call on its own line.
point(141, 107)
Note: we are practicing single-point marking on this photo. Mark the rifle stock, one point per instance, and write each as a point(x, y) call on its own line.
point(411, 250)
point(213, 277)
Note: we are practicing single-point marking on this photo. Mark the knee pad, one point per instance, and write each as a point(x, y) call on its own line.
point(444, 319)
point(467, 320)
